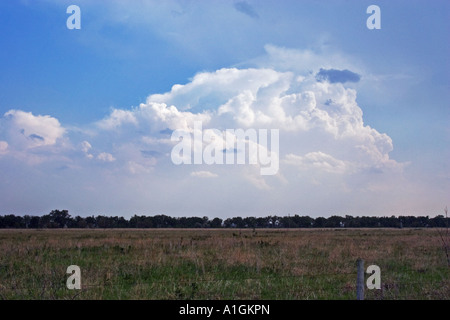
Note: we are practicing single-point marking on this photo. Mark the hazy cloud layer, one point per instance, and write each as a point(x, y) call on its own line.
point(203, 174)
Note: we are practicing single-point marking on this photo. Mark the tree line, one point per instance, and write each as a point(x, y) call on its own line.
point(62, 219)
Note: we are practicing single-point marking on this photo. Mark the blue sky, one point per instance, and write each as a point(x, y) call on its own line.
point(91, 96)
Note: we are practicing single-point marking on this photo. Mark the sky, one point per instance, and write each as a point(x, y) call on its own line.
point(87, 116)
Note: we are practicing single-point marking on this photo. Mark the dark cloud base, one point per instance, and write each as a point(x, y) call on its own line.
point(337, 76)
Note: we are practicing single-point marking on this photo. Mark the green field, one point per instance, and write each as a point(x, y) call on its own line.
point(221, 263)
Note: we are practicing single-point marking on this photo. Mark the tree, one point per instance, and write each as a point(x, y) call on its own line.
point(303, 222)
point(250, 222)
point(59, 218)
point(122, 223)
point(34, 222)
point(11, 221)
point(334, 222)
point(91, 222)
point(320, 222)
point(105, 222)
point(216, 223)
point(78, 222)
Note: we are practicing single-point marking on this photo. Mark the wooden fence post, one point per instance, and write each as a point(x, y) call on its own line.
point(360, 280)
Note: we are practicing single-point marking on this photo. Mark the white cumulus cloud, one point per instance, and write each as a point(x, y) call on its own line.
point(25, 130)
point(117, 118)
point(321, 124)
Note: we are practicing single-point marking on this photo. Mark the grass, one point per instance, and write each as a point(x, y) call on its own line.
point(221, 264)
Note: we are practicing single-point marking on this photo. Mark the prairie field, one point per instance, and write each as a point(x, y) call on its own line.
point(193, 264)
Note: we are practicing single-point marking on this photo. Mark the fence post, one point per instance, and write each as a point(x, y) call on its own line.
point(360, 280)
